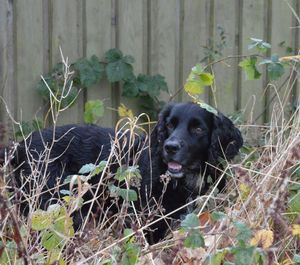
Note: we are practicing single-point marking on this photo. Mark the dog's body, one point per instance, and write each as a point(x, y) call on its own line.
point(185, 142)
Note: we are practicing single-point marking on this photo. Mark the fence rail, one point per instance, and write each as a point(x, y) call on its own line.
point(166, 37)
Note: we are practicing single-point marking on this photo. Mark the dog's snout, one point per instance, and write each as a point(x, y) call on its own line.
point(172, 147)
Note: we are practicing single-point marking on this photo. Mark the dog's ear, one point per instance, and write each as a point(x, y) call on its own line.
point(159, 133)
point(226, 139)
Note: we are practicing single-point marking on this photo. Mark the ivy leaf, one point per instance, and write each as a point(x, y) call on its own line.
point(125, 194)
point(118, 70)
point(206, 79)
point(197, 80)
point(87, 168)
point(208, 107)
point(130, 89)
point(259, 44)
point(244, 232)
point(274, 66)
point(249, 66)
point(90, 71)
point(194, 87)
point(217, 216)
point(51, 240)
point(194, 240)
point(243, 255)
point(197, 69)
point(128, 59)
point(41, 220)
point(191, 221)
point(128, 173)
point(113, 55)
point(296, 259)
point(93, 110)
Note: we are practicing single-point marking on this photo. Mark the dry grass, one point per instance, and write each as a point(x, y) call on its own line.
point(258, 194)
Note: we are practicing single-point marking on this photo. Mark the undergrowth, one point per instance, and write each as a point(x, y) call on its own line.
point(255, 220)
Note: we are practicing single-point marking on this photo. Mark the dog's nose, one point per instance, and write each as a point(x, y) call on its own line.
point(172, 147)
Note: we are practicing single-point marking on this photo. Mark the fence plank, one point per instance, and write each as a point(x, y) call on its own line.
point(98, 41)
point(282, 18)
point(7, 81)
point(132, 35)
point(163, 39)
point(67, 34)
point(194, 38)
point(29, 60)
point(225, 72)
point(252, 98)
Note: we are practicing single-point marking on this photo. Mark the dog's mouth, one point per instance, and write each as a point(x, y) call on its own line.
point(175, 169)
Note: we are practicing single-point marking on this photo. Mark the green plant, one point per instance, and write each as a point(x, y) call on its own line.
point(88, 72)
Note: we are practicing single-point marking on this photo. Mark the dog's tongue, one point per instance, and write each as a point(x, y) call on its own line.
point(174, 167)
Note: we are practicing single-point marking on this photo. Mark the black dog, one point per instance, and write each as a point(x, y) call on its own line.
point(186, 145)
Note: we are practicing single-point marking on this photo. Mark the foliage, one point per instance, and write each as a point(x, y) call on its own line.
point(55, 227)
point(191, 225)
point(275, 65)
point(88, 72)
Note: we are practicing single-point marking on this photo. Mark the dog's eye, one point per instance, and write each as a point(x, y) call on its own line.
point(170, 126)
point(198, 130)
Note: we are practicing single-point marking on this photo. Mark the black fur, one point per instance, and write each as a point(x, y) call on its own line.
point(186, 140)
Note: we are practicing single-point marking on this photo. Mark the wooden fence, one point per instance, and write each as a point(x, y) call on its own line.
point(164, 36)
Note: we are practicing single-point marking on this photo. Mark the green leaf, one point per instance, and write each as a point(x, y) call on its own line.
point(208, 107)
point(118, 71)
point(217, 216)
point(127, 173)
point(249, 66)
point(244, 232)
point(50, 240)
point(197, 69)
point(194, 240)
point(296, 259)
point(87, 168)
point(206, 78)
point(259, 44)
point(194, 87)
point(41, 220)
point(113, 55)
point(131, 254)
point(191, 221)
point(128, 59)
point(274, 66)
point(125, 194)
point(90, 71)
point(217, 258)
point(99, 168)
point(93, 110)
point(130, 89)
point(243, 255)
point(294, 203)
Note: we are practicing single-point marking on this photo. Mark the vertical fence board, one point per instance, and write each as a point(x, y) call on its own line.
point(67, 34)
point(163, 38)
point(253, 26)
point(7, 81)
point(29, 61)
point(225, 72)
point(194, 37)
point(282, 18)
point(98, 35)
point(3, 59)
point(131, 39)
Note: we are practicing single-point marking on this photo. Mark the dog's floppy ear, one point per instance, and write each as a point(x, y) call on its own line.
point(159, 133)
point(226, 139)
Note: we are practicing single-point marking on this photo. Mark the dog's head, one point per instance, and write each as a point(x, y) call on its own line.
point(189, 136)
